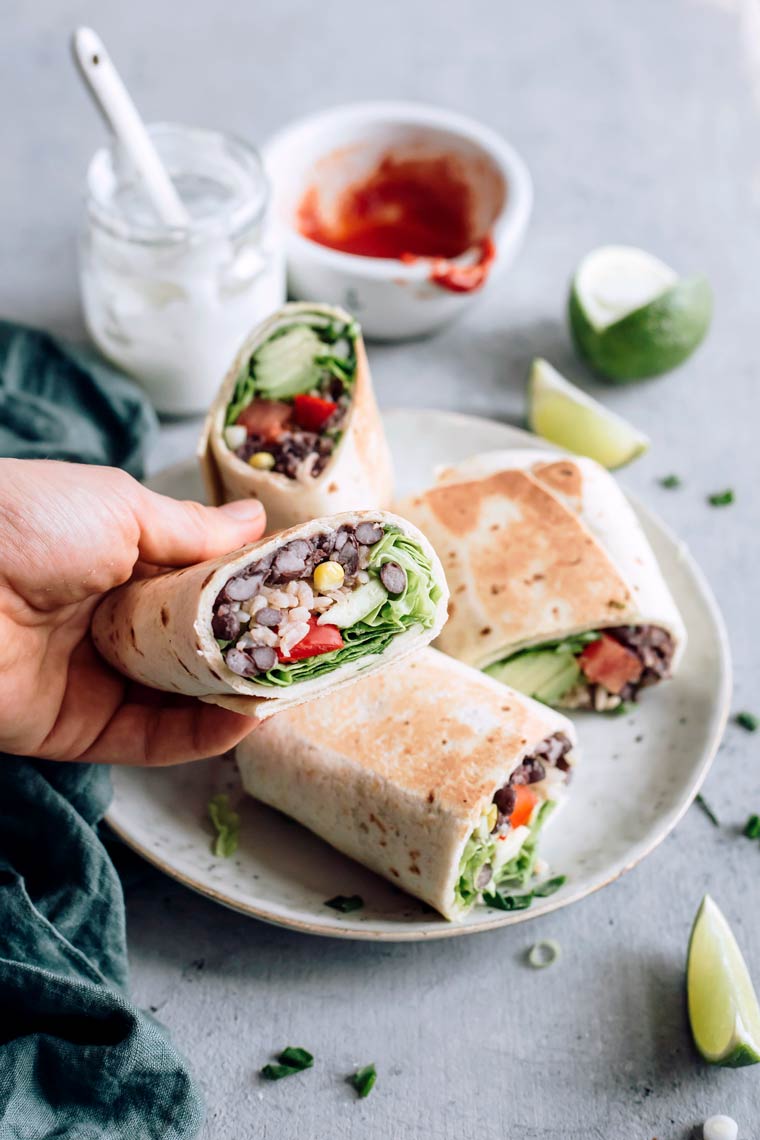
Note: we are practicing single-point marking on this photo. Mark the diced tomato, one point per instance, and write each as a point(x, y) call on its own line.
point(524, 804)
point(312, 412)
point(267, 418)
point(319, 639)
point(607, 662)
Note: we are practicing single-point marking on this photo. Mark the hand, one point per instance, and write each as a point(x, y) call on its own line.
point(69, 533)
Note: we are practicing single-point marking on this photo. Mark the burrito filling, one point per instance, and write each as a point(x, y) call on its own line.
point(291, 399)
point(321, 601)
point(502, 850)
point(598, 670)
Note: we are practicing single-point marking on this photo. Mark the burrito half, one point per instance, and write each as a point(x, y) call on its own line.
point(295, 423)
point(429, 773)
point(283, 620)
point(555, 589)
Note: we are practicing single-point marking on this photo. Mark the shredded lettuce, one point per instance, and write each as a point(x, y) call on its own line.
point(481, 849)
point(415, 607)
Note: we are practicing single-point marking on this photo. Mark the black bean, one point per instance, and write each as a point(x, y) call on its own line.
point(393, 577)
point(535, 770)
point(264, 657)
point(368, 533)
point(241, 589)
point(505, 800)
point(288, 565)
point(348, 556)
point(301, 547)
point(269, 617)
point(239, 662)
point(225, 623)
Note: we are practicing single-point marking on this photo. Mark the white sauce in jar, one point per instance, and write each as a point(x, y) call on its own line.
point(171, 306)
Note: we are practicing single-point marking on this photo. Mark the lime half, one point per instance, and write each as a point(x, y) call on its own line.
point(723, 1009)
point(565, 415)
point(631, 316)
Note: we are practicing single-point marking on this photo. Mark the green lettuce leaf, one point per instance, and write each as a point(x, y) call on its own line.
point(415, 607)
point(517, 872)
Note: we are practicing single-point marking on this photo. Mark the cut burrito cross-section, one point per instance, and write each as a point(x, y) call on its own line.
point(295, 422)
point(429, 773)
point(555, 589)
point(283, 620)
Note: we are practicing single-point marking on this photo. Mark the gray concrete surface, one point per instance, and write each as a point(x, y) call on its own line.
point(640, 124)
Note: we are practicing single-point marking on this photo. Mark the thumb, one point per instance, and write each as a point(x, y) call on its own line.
point(174, 533)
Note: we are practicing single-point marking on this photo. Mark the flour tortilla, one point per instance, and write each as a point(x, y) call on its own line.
point(359, 473)
point(536, 547)
point(396, 771)
point(158, 631)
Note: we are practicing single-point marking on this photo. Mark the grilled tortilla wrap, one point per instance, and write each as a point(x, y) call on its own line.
point(401, 771)
point(538, 549)
point(358, 472)
point(234, 631)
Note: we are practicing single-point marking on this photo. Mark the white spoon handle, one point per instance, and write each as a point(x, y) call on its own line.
point(116, 104)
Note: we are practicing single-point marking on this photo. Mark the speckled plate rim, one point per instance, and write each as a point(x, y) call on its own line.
point(513, 437)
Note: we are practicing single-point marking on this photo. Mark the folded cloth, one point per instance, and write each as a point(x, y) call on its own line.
point(58, 401)
point(78, 1061)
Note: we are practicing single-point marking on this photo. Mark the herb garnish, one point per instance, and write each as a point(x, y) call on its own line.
point(700, 799)
point(748, 721)
point(500, 901)
point(721, 498)
point(670, 482)
point(227, 824)
point(622, 709)
point(291, 1060)
point(752, 827)
point(364, 1080)
point(346, 903)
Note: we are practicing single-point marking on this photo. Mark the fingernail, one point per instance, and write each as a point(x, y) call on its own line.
point(244, 510)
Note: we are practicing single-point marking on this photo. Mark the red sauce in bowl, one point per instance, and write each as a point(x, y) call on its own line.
point(405, 209)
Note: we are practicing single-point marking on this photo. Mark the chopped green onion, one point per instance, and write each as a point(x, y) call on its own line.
point(700, 799)
point(364, 1080)
point(747, 720)
point(721, 498)
point(346, 903)
point(227, 825)
point(670, 482)
point(544, 953)
point(622, 709)
point(291, 1061)
point(550, 887)
point(752, 827)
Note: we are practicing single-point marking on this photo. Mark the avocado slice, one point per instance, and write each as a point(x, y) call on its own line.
point(286, 365)
point(542, 673)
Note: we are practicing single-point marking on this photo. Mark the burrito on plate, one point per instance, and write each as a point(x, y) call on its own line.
point(429, 773)
point(283, 620)
point(295, 423)
point(555, 589)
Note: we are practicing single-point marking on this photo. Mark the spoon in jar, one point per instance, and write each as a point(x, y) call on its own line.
point(116, 105)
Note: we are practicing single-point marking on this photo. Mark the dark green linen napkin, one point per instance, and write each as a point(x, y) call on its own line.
point(78, 1061)
point(60, 401)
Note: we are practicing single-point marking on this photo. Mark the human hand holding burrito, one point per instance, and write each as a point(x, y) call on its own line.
point(68, 534)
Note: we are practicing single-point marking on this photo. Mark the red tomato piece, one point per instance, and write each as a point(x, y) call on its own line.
point(319, 639)
point(524, 804)
point(607, 662)
point(267, 418)
point(312, 412)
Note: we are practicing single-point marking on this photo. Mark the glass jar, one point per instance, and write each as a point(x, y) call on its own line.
point(171, 305)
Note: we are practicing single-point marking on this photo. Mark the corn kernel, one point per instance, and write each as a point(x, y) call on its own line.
point(262, 460)
point(492, 816)
point(328, 576)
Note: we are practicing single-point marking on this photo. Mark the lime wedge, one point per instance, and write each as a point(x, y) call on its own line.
point(565, 415)
point(723, 1009)
point(631, 316)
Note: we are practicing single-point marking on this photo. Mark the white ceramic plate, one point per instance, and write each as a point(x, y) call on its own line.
point(637, 775)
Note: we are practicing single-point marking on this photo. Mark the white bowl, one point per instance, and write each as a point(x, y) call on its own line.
point(392, 299)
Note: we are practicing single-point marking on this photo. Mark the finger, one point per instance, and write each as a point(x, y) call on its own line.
point(175, 533)
point(145, 735)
